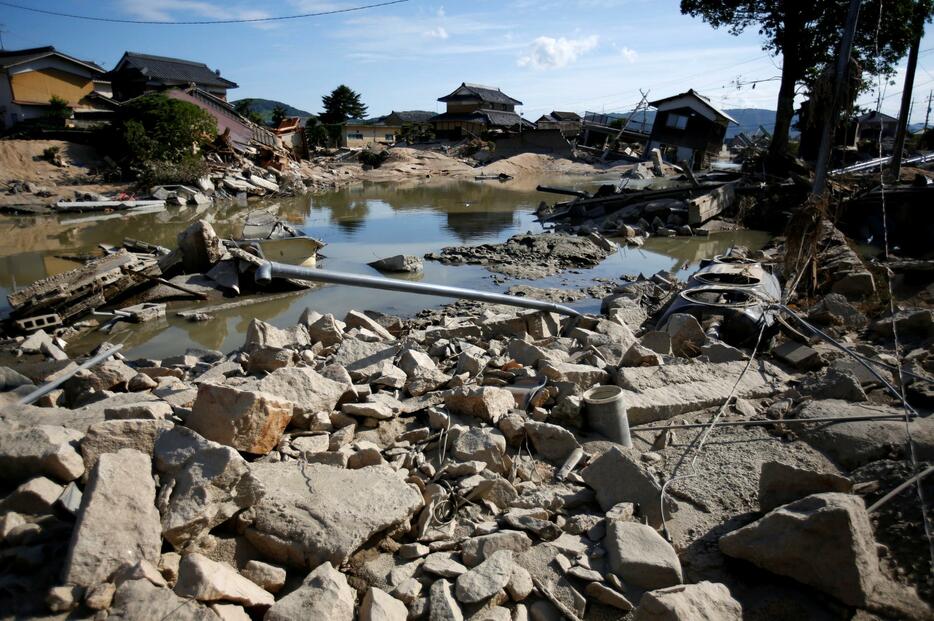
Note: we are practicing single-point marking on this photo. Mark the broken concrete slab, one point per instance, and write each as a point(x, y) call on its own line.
point(552, 442)
point(248, 421)
point(780, 484)
point(323, 594)
point(205, 580)
point(117, 522)
point(486, 579)
point(315, 513)
point(640, 556)
point(618, 476)
point(112, 435)
point(704, 600)
point(140, 599)
point(658, 393)
point(487, 403)
point(41, 449)
point(307, 390)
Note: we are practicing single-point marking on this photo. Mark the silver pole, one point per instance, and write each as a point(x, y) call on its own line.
point(47, 388)
point(269, 270)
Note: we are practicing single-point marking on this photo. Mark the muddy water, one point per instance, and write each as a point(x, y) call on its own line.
point(359, 224)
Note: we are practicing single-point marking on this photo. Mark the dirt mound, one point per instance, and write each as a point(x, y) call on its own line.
point(22, 160)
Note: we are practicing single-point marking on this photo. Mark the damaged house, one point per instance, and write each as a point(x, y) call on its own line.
point(136, 74)
point(31, 77)
point(568, 123)
point(473, 109)
point(688, 128)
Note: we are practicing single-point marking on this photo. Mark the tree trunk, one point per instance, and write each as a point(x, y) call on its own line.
point(778, 149)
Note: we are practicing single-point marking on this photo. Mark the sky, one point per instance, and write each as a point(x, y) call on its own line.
point(579, 55)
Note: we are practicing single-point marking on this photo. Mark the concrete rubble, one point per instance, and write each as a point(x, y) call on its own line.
point(381, 468)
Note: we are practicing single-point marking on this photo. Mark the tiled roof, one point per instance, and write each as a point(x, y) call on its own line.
point(173, 70)
point(704, 100)
point(496, 118)
point(467, 91)
point(8, 58)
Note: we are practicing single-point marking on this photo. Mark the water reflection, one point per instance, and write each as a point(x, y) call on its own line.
point(359, 224)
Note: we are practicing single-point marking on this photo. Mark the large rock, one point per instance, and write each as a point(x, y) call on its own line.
point(112, 435)
point(356, 319)
point(853, 444)
point(583, 376)
point(487, 403)
point(781, 483)
point(480, 444)
point(486, 579)
point(704, 601)
point(260, 335)
point(248, 421)
point(687, 335)
point(205, 580)
point(619, 476)
point(363, 358)
point(658, 393)
point(640, 556)
point(378, 605)
point(41, 449)
point(315, 513)
point(309, 392)
point(118, 522)
point(398, 263)
point(136, 600)
point(324, 594)
point(200, 247)
point(552, 442)
point(441, 604)
point(478, 549)
point(824, 541)
point(207, 486)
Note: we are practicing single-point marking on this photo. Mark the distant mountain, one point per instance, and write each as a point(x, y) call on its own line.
point(264, 107)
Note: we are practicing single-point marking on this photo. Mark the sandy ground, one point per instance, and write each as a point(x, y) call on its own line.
point(21, 160)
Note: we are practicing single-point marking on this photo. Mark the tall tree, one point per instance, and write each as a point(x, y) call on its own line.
point(806, 35)
point(244, 107)
point(279, 114)
point(343, 103)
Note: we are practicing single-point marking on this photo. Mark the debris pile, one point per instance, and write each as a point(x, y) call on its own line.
point(447, 467)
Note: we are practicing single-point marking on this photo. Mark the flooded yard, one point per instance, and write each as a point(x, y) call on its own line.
point(359, 224)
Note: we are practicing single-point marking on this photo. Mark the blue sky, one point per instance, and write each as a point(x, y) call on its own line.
point(564, 54)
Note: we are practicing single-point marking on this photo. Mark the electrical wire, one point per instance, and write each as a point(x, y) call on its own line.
point(253, 20)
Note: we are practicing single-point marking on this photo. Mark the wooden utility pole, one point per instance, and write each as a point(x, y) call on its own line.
point(927, 115)
point(901, 128)
point(843, 63)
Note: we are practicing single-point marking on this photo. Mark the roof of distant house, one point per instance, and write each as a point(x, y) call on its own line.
point(173, 70)
point(411, 116)
point(467, 91)
point(500, 118)
point(565, 116)
point(876, 117)
point(9, 58)
point(703, 100)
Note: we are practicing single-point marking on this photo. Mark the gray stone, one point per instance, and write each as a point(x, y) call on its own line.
point(118, 521)
point(520, 584)
point(721, 352)
point(552, 442)
point(581, 375)
point(443, 564)
point(326, 330)
point(269, 359)
point(487, 403)
point(611, 597)
point(617, 476)
point(205, 580)
point(315, 513)
point(480, 444)
point(378, 605)
point(200, 247)
point(687, 335)
point(309, 392)
point(260, 334)
point(657, 341)
point(363, 359)
point(398, 263)
point(639, 556)
point(140, 599)
point(799, 356)
point(833, 383)
point(270, 577)
point(780, 484)
point(824, 541)
point(150, 410)
point(486, 579)
point(639, 356)
point(36, 497)
point(112, 435)
point(356, 319)
point(324, 594)
point(248, 421)
point(477, 549)
point(703, 601)
point(442, 605)
point(27, 451)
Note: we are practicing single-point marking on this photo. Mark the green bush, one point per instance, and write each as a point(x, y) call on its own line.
point(58, 111)
point(155, 135)
point(50, 153)
point(373, 158)
point(161, 172)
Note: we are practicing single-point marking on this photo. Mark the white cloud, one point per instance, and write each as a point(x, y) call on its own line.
point(629, 54)
point(181, 10)
point(437, 33)
point(551, 53)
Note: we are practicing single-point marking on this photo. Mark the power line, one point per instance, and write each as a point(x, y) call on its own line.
point(200, 22)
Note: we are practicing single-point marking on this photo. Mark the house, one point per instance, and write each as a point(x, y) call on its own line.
point(31, 77)
point(242, 133)
point(136, 74)
point(569, 123)
point(868, 126)
point(291, 133)
point(688, 127)
point(408, 117)
point(473, 109)
point(366, 133)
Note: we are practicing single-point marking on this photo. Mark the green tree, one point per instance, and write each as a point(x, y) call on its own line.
point(315, 133)
point(58, 111)
point(806, 34)
point(154, 131)
point(244, 108)
point(343, 103)
point(279, 114)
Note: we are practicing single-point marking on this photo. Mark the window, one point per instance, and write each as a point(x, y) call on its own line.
point(390, 137)
point(676, 121)
point(354, 136)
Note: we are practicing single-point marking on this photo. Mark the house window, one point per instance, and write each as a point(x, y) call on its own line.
point(354, 136)
point(676, 121)
point(390, 137)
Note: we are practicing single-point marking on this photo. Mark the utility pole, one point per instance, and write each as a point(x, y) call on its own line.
point(895, 166)
point(1, 36)
point(843, 63)
point(927, 115)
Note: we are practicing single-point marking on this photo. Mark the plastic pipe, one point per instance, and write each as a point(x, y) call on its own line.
point(606, 413)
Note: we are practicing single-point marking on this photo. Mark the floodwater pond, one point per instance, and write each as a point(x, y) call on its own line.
point(359, 224)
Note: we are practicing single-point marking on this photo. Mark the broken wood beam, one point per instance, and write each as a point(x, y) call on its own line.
point(710, 205)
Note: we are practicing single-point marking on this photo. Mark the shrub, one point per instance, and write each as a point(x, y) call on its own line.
point(58, 111)
point(373, 158)
point(161, 172)
point(155, 135)
point(50, 153)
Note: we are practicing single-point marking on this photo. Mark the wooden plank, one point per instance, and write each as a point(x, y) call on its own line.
point(706, 207)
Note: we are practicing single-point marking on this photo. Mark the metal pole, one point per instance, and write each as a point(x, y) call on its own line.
point(780, 421)
point(843, 62)
point(269, 270)
point(904, 112)
point(90, 362)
